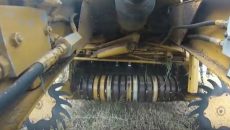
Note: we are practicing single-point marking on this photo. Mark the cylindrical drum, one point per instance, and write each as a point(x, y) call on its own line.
point(133, 14)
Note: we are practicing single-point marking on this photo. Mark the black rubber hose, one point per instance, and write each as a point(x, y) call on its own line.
point(20, 86)
point(190, 26)
point(206, 38)
point(196, 25)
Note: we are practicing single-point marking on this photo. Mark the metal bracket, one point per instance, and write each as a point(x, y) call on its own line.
point(226, 42)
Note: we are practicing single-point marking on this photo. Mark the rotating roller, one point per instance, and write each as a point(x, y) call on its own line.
point(141, 92)
point(155, 88)
point(84, 87)
point(172, 89)
point(137, 88)
point(123, 88)
point(167, 89)
point(102, 88)
point(161, 86)
point(129, 84)
point(109, 88)
point(149, 89)
point(115, 88)
point(95, 87)
point(90, 87)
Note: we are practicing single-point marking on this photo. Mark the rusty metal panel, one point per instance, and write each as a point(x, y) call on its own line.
point(183, 14)
point(22, 36)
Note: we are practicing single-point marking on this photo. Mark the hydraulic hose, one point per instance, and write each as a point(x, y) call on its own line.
point(221, 23)
point(206, 38)
point(23, 83)
point(20, 85)
point(196, 25)
point(65, 48)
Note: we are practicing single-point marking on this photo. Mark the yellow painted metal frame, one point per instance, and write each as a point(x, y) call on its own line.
point(95, 88)
point(210, 54)
point(13, 117)
point(193, 74)
point(102, 88)
point(23, 20)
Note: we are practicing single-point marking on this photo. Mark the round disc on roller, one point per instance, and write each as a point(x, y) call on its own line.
point(135, 88)
point(161, 84)
point(90, 87)
point(102, 87)
point(123, 88)
point(109, 88)
point(167, 88)
point(78, 93)
point(115, 88)
point(84, 87)
point(129, 88)
point(155, 88)
point(141, 91)
point(95, 87)
point(149, 89)
point(173, 88)
point(81, 89)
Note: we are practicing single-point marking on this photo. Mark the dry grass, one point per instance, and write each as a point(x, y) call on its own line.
point(119, 116)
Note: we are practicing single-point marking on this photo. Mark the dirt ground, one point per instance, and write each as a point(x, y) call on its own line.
point(89, 115)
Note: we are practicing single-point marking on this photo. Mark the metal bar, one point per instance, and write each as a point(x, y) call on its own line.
point(211, 55)
point(139, 57)
point(211, 62)
point(122, 60)
point(193, 74)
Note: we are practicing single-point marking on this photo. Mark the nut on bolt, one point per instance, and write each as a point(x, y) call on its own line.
point(48, 30)
point(17, 39)
point(71, 42)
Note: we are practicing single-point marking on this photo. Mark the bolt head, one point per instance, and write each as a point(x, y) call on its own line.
point(17, 39)
point(220, 111)
point(48, 30)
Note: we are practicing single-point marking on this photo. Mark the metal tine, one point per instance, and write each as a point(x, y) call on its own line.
point(195, 103)
point(195, 112)
point(56, 85)
point(206, 88)
point(64, 111)
point(62, 93)
point(63, 124)
point(214, 84)
point(200, 95)
point(64, 102)
point(54, 124)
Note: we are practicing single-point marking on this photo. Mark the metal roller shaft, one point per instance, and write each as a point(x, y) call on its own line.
point(137, 88)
